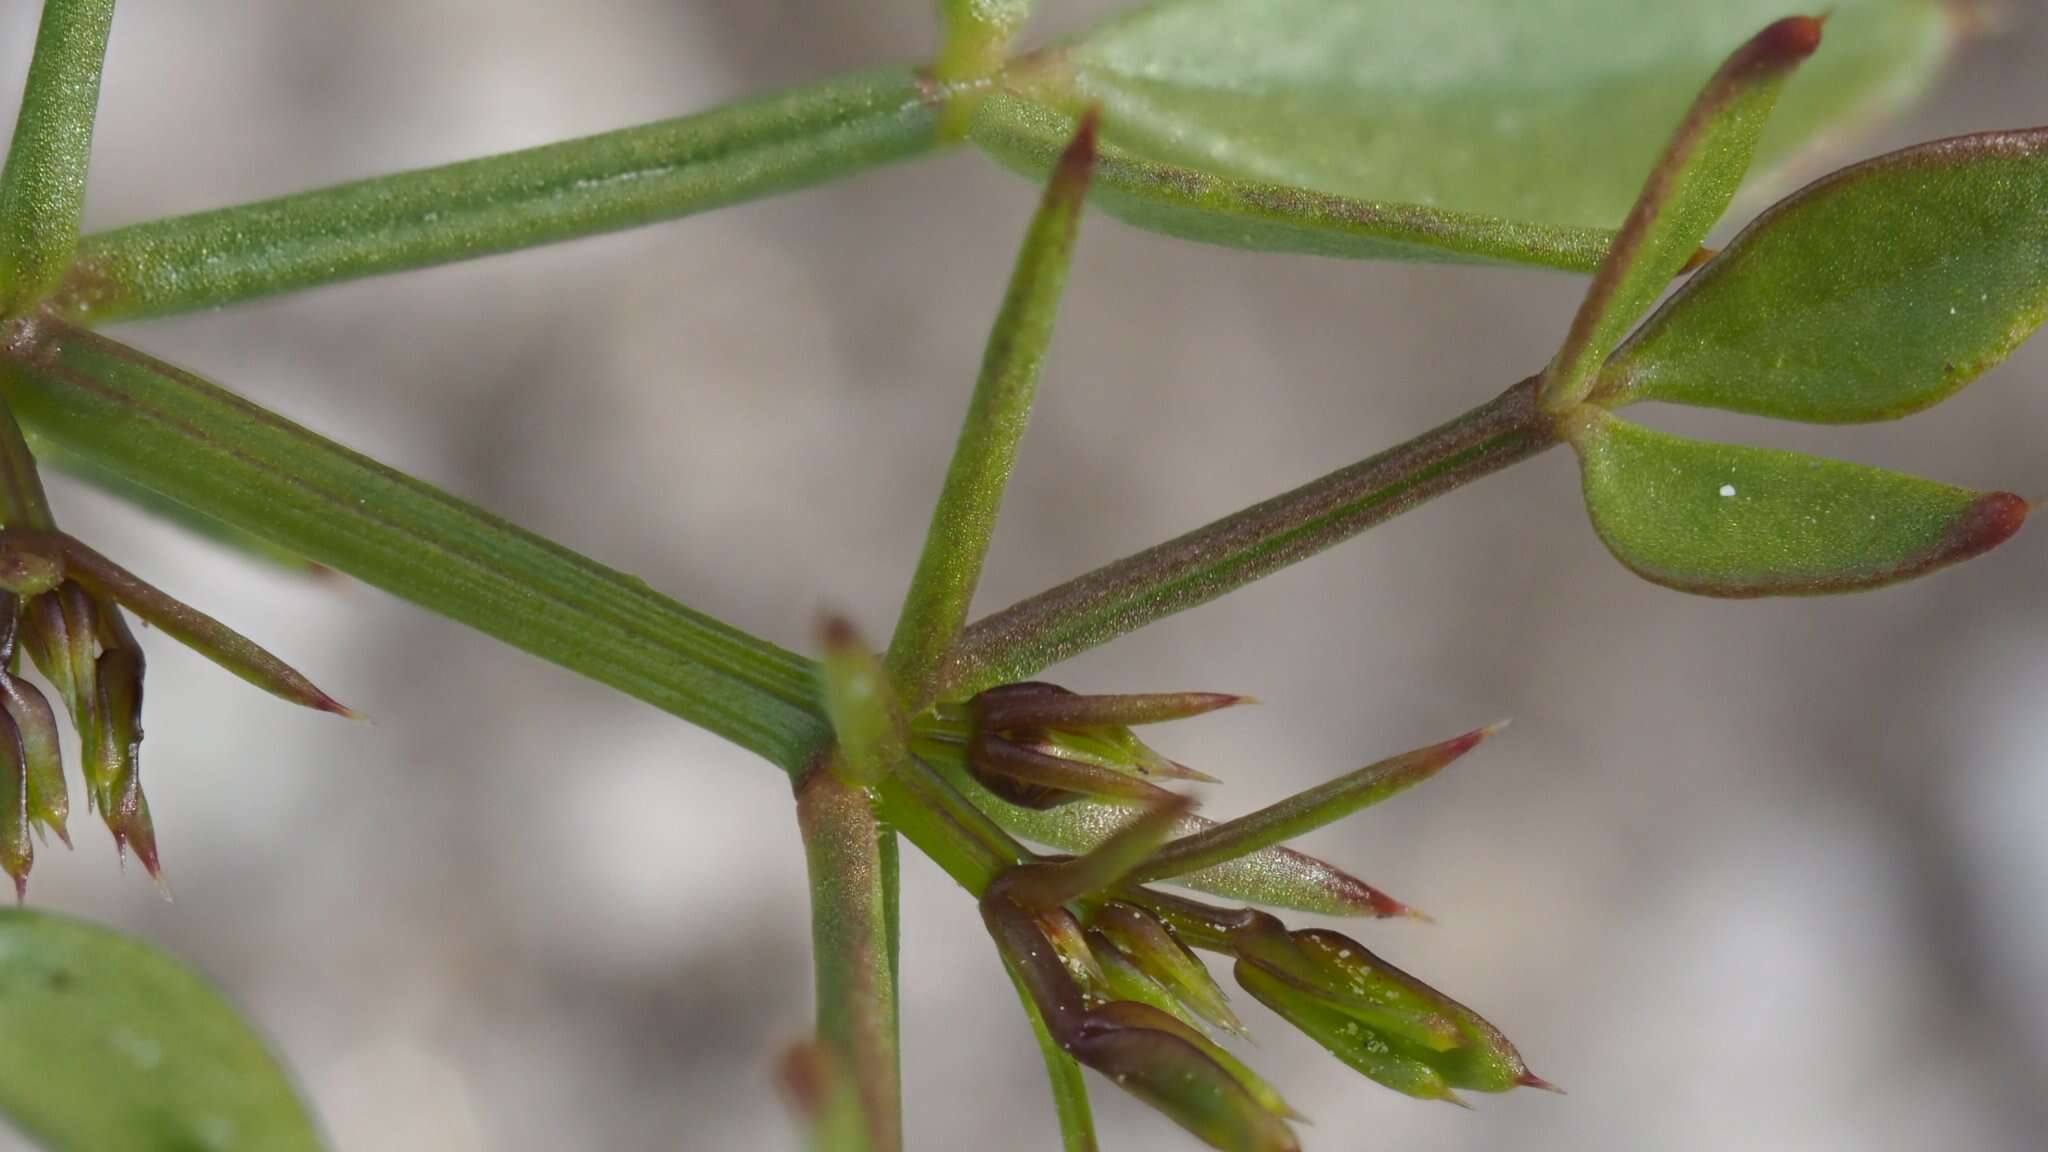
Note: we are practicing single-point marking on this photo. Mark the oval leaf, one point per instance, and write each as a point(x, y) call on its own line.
point(1449, 126)
point(1871, 294)
point(107, 1045)
point(1726, 520)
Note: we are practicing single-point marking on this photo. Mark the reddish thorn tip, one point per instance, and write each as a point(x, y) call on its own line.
point(1792, 39)
point(1700, 259)
point(1531, 1080)
point(20, 890)
point(328, 703)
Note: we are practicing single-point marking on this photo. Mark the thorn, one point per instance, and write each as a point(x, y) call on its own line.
point(1450, 1097)
point(1417, 915)
point(1531, 1080)
point(1700, 259)
point(20, 890)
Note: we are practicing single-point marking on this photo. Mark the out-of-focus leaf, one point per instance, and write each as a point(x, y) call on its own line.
point(1685, 193)
point(1727, 520)
point(1873, 293)
point(1456, 125)
point(107, 1045)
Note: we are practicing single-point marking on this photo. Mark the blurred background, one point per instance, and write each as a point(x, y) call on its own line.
point(1742, 875)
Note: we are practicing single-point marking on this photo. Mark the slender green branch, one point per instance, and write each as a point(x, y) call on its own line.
point(1069, 1088)
point(850, 935)
point(936, 605)
point(1193, 569)
point(218, 454)
point(42, 193)
point(621, 179)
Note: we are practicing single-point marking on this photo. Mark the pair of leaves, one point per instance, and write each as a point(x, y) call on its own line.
point(1845, 303)
point(1493, 130)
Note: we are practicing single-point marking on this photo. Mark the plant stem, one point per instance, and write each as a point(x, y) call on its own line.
point(850, 934)
point(935, 607)
point(1193, 569)
point(1069, 1087)
point(42, 192)
point(603, 183)
point(218, 454)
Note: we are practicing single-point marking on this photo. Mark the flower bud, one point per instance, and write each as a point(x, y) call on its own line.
point(1354, 1004)
point(17, 844)
point(1152, 946)
point(1145, 1050)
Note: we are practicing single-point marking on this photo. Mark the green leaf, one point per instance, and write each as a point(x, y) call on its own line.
point(1277, 877)
point(935, 607)
point(1687, 190)
point(42, 192)
point(107, 1045)
point(1725, 520)
point(1026, 135)
point(1533, 112)
point(772, 144)
point(224, 457)
point(234, 539)
point(1875, 292)
point(1051, 884)
point(1307, 811)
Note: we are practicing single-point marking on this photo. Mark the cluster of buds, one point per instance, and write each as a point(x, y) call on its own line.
point(1108, 962)
point(1040, 746)
point(61, 604)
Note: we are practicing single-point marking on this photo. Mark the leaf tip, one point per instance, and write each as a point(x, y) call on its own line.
point(1077, 163)
point(1788, 41)
point(1531, 1080)
point(1990, 520)
point(836, 633)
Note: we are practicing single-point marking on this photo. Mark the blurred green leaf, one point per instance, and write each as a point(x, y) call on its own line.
point(1871, 294)
point(107, 1045)
point(1447, 130)
point(1686, 191)
point(1727, 520)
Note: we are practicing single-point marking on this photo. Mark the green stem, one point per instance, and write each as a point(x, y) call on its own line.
point(218, 454)
point(621, 179)
point(850, 935)
point(42, 192)
point(1069, 1088)
point(1193, 569)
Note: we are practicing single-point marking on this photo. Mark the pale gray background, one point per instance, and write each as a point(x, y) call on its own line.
point(1763, 875)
